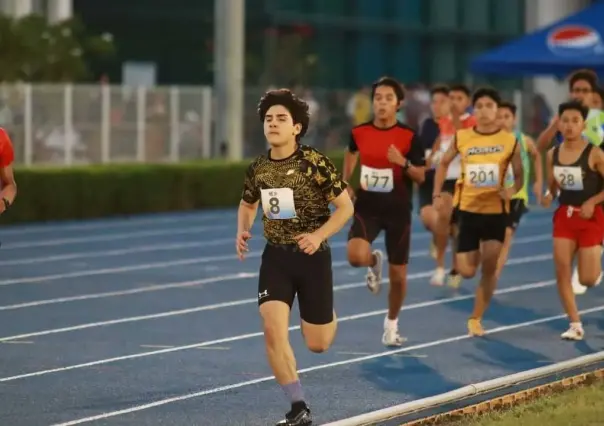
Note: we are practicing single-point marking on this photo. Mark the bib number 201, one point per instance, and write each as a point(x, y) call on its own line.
point(482, 175)
point(278, 203)
point(569, 178)
point(376, 180)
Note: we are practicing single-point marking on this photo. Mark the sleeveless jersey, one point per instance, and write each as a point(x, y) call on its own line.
point(577, 181)
point(484, 161)
point(526, 169)
point(447, 135)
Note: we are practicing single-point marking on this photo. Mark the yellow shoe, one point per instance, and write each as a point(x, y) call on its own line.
point(475, 327)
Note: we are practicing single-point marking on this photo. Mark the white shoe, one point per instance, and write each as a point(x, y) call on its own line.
point(374, 273)
point(575, 332)
point(578, 288)
point(391, 337)
point(438, 278)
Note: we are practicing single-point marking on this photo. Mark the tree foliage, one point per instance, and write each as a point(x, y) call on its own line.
point(34, 50)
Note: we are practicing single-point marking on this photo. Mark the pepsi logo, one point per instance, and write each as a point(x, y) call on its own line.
point(575, 40)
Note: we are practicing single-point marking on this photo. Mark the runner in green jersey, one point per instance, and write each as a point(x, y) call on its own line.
point(583, 87)
point(506, 116)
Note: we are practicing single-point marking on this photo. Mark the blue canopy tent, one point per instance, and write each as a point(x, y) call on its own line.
point(559, 49)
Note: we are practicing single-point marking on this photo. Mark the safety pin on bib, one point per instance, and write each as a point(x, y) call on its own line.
point(569, 211)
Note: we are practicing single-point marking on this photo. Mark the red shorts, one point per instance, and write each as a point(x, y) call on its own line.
point(585, 232)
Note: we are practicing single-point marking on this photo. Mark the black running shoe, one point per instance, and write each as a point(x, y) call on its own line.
point(298, 416)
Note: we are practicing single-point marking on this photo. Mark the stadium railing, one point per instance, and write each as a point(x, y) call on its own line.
point(468, 391)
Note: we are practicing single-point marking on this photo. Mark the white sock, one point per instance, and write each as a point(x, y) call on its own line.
point(391, 324)
point(577, 325)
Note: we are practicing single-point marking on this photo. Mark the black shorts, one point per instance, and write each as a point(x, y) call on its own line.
point(397, 230)
point(426, 189)
point(285, 272)
point(517, 210)
point(449, 186)
point(477, 227)
point(454, 216)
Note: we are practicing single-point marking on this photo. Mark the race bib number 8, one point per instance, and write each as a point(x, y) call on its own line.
point(376, 180)
point(569, 178)
point(482, 175)
point(278, 203)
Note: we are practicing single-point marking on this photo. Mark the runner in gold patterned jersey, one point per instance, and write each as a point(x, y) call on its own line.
point(294, 184)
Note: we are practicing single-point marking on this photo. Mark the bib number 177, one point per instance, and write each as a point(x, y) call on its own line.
point(376, 180)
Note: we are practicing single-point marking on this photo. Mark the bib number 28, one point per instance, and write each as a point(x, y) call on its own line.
point(376, 180)
point(569, 178)
point(278, 203)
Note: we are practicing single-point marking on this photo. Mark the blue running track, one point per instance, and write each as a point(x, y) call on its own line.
point(153, 321)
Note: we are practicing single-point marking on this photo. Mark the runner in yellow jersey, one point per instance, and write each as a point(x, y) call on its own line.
point(506, 116)
point(486, 152)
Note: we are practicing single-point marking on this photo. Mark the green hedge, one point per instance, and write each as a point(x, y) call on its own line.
point(47, 194)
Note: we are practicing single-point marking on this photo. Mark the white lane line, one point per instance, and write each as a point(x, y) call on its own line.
point(193, 283)
point(116, 252)
point(182, 262)
point(221, 305)
point(220, 389)
point(156, 346)
point(26, 229)
point(240, 337)
point(145, 289)
point(146, 249)
point(137, 220)
point(114, 237)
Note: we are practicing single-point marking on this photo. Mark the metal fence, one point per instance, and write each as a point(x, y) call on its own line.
point(87, 124)
point(92, 124)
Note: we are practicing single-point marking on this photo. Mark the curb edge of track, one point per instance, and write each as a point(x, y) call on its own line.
point(511, 399)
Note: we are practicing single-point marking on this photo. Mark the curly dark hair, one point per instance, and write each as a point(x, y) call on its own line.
point(284, 97)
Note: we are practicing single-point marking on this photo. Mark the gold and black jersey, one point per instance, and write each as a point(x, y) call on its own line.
point(294, 192)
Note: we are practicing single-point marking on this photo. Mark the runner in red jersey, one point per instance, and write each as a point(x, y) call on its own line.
point(460, 100)
point(7, 178)
point(392, 157)
point(576, 177)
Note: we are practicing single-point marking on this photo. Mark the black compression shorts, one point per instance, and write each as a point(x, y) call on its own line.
point(477, 227)
point(286, 271)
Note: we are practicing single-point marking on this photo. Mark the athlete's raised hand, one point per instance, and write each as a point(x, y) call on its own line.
point(309, 243)
point(395, 156)
point(241, 244)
